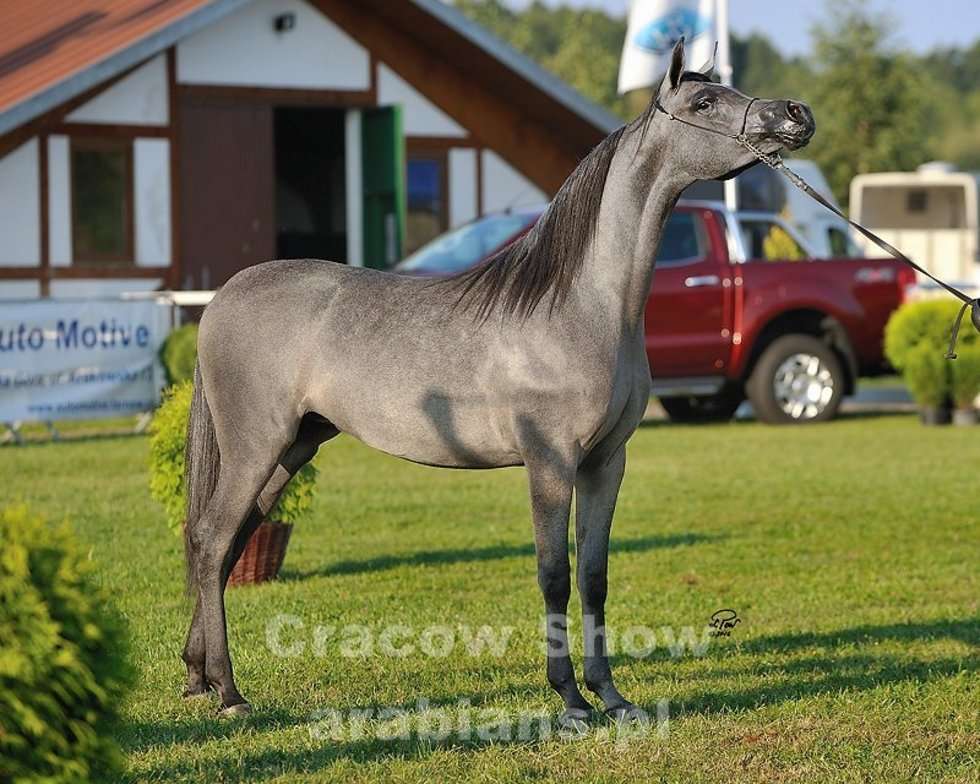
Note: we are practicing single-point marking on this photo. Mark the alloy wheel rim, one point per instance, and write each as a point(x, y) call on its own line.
point(803, 386)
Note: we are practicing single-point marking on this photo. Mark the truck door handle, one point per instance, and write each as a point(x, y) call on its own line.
point(701, 280)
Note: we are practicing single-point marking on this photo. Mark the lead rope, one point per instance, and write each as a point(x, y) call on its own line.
point(775, 162)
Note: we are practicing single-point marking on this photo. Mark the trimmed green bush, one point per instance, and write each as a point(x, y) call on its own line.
point(63, 670)
point(178, 354)
point(168, 438)
point(916, 341)
point(923, 323)
point(966, 376)
point(927, 375)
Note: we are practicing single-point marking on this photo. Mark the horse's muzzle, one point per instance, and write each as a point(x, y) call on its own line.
point(791, 123)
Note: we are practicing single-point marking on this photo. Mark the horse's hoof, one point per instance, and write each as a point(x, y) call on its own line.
point(628, 713)
point(234, 711)
point(574, 721)
point(195, 695)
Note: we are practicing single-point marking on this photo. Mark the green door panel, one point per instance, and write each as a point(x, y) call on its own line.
point(383, 164)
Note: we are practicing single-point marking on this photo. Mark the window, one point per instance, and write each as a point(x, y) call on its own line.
point(464, 247)
point(683, 239)
point(101, 198)
point(917, 201)
point(839, 244)
point(427, 209)
point(768, 241)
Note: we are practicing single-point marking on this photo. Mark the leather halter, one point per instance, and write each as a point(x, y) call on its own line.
point(775, 162)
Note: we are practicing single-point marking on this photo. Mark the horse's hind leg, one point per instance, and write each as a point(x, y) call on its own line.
point(208, 632)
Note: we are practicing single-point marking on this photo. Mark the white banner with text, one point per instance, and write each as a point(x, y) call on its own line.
point(85, 359)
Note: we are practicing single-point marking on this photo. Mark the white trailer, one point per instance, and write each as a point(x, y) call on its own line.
point(931, 215)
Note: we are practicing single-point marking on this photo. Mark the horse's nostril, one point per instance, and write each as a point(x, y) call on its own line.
point(795, 112)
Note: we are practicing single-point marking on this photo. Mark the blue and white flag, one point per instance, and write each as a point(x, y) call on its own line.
point(654, 27)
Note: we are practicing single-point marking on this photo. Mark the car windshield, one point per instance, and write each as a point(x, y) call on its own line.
point(462, 248)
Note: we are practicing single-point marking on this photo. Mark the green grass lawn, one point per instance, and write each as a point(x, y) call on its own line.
point(850, 552)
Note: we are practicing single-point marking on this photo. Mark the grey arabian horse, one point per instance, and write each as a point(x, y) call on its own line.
point(534, 358)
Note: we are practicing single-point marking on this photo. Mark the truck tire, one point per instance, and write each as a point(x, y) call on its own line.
point(714, 408)
point(797, 380)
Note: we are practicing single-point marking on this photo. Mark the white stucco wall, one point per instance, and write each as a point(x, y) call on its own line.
point(151, 193)
point(59, 201)
point(421, 116)
point(354, 181)
point(244, 49)
point(139, 99)
point(20, 213)
point(504, 186)
point(462, 186)
point(93, 288)
point(19, 289)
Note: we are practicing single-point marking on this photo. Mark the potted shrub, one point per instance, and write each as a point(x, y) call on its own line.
point(915, 330)
point(266, 548)
point(926, 374)
point(178, 354)
point(966, 385)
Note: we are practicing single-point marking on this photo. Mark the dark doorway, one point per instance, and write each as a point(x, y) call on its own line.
point(311, 184)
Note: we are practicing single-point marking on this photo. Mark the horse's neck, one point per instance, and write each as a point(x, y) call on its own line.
point(641, 190)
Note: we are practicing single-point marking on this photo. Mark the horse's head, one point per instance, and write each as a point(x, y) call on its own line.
point(709, 119)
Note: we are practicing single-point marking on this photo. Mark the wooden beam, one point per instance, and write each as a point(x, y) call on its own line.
point(537, 152)
point(76, 272)
point(444, 143)
point(110, 131)
point(279, 96)
point(20, 273)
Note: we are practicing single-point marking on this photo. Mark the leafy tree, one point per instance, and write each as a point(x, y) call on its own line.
point(870, 101)
point(759, 68)
point(877, 109)
point(580, 46)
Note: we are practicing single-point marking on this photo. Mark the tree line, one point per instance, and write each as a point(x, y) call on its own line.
point(878, 107)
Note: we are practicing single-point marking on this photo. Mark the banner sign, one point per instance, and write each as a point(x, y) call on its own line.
point(82, 359)
point(654, 27)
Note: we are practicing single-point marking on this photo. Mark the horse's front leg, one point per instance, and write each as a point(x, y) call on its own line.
point(551, 483)
point(596, 489)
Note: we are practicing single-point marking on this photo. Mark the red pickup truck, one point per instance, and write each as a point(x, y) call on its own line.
point(738, 309)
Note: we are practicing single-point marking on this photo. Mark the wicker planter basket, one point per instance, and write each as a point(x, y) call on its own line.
point(263, 554)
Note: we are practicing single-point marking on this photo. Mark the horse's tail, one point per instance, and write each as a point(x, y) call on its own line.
point(201, 464)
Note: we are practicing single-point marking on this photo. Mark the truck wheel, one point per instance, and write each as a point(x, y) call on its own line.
point(797, 379)
point(715, 408)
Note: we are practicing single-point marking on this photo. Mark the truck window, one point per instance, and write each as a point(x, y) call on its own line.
point(683, 240)
point(839, 246)
point(768, 241)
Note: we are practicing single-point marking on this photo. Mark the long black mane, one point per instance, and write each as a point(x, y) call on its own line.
point(547, 259)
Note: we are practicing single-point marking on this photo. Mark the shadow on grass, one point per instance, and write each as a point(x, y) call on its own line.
point(476, 554)
point(824, 673)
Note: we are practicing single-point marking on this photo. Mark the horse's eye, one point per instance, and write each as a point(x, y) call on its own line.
point(704, 104)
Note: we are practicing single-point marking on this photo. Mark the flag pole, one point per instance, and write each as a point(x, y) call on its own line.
point(725, 71)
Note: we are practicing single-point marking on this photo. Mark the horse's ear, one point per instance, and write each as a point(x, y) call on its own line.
point(708, 69)
point(676, 64)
